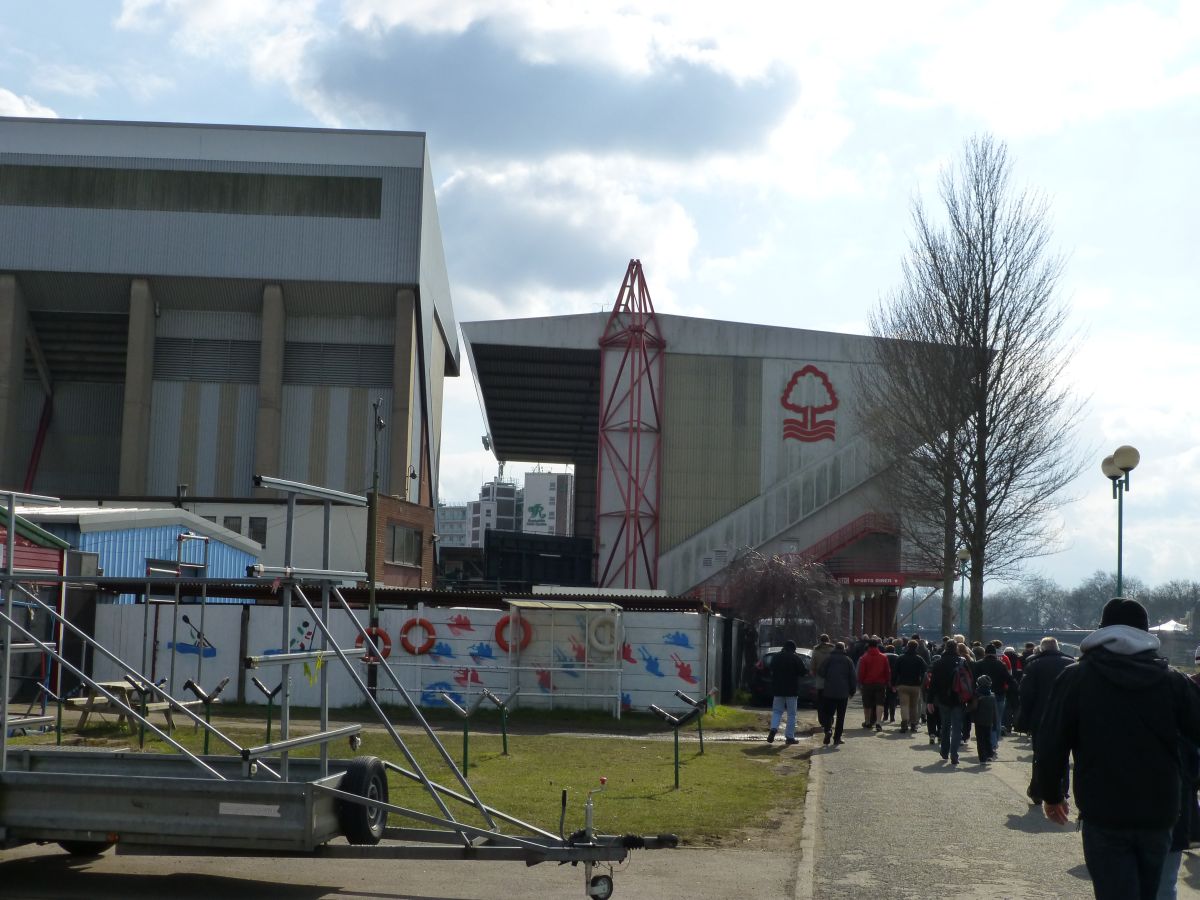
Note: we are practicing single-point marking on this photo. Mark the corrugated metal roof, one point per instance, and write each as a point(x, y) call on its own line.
point(584, 605)
point(106, 519)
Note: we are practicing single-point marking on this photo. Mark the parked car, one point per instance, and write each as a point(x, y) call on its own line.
point(760, 679)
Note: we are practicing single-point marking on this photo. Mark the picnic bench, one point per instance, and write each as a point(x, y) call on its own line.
point(96, 702)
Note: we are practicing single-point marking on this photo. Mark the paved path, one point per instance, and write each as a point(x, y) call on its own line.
point(892, 819)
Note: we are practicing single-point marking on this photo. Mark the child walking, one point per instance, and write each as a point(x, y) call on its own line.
point(984, 717)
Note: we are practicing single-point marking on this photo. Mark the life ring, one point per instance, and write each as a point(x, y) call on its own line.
point(380, 639)
point(502, 641)
point(602, 633)
point(430, 636)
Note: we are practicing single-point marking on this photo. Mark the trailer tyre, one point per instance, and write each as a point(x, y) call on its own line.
point(85, 848)
point(366, 777)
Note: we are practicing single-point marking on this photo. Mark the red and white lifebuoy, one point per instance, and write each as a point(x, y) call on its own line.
point(502, 637)
point(380, 639)
point(430, 636)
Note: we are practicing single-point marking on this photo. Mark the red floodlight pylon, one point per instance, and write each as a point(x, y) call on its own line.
point(630, 445)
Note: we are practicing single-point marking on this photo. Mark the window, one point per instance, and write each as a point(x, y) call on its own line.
point(233, 523)
point(257, 529)
point(403, 545)
point(173, 190)
point(212, 519)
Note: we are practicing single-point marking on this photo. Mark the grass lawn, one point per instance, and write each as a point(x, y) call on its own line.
point(729, 787)
point(721, 718)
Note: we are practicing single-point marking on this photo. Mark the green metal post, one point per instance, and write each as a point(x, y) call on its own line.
point(142, 725)
point(677, 759)
point(504, 728)
point(466, 742)
point(207, 721)
point(58, 724)
point(270, 704)
point(700, 729)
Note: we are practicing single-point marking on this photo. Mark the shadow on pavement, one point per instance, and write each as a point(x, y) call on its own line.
point(939, 767)
point(71, 878)
point(1189, 870)
point(1032, 821)
point(1080, 871)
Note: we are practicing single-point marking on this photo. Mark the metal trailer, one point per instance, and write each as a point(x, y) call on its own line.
point(258, 801)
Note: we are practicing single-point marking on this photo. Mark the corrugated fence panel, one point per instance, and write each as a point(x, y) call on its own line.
point(296, 423)
point(81, 454)
point(346, 364)
point(203, 436)
point(163, 471)
point(203, 359)
point(123, 552)
point(207, 324)
point(333, 329)
point(234, 245)
point(713, 402)
point(327, 436)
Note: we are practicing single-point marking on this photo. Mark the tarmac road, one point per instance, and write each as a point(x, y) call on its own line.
point(47, 872)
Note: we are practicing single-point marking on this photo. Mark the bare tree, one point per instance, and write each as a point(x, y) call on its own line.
point(794, 593)
point(991, 424)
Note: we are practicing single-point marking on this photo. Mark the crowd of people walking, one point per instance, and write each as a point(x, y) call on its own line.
point(1130, 723)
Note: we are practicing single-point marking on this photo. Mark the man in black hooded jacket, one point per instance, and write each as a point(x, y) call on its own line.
point(1120, 711)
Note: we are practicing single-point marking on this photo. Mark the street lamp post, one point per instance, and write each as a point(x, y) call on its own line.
point(1116, 468)
point(963, 555)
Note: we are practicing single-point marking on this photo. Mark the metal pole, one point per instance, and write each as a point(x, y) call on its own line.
point(466, 743)
point(372, 541)
point(504, 728)
point(175, 617)
point(203, 633)
point(962, 587)
point(1120, 489)
point(328, 506)
point(285, 631)
point(9, 553)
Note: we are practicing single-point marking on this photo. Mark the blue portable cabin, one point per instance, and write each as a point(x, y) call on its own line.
point(127, 540)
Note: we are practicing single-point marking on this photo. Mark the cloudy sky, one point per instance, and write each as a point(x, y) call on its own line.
point(760, 158)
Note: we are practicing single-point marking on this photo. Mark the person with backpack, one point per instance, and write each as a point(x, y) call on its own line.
point(952, 688)
point(933, 721)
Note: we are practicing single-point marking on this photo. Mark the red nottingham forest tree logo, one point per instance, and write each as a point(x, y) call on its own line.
point(809, 394)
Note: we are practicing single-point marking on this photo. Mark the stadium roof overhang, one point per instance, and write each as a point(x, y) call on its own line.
point(539, 386)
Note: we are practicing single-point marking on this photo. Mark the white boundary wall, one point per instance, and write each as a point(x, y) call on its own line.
point(656, 654)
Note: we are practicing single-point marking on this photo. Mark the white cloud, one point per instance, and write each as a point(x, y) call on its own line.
point(268, 36)
point(14, 105)
point(72, 80)
point(1045, 67)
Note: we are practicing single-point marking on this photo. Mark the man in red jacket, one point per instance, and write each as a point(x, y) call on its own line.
point(874, 676)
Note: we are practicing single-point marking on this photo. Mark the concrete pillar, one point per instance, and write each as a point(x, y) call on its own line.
point(13, 323)
point(139, 388)
point(405, 399)
point(268, 423)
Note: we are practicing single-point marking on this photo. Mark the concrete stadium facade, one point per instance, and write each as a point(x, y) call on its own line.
point(761, 445)
point(197, 304)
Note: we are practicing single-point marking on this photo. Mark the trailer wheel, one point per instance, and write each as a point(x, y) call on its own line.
point(366, 777)
point(85, 848)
